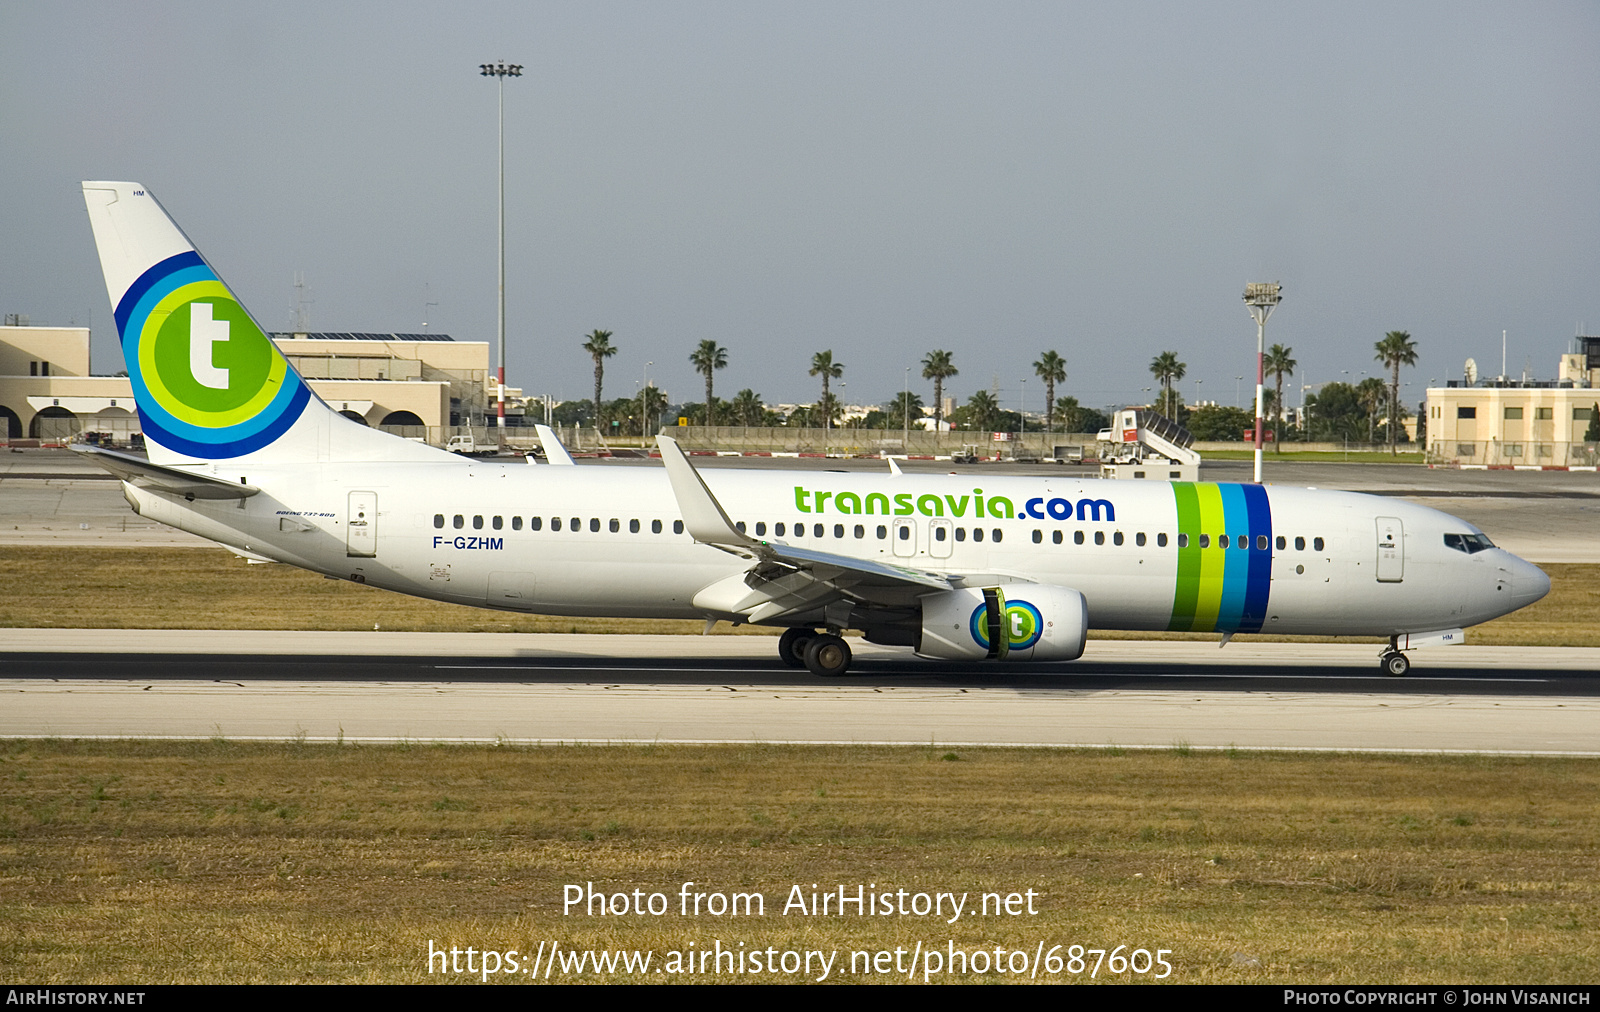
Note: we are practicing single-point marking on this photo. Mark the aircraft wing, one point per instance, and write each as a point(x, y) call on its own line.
point(166, 479)
point(782, 579)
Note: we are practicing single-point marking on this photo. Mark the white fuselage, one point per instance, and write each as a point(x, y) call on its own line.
point(600, 540)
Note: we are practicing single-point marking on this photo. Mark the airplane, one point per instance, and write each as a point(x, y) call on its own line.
point(954, 567)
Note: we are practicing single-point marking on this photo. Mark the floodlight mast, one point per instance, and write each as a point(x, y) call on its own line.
point(1261, 298)
point(500, 71)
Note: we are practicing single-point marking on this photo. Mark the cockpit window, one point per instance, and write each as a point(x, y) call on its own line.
point(1469, 543)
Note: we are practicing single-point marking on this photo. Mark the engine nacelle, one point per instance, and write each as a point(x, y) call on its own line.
point(1017, 622)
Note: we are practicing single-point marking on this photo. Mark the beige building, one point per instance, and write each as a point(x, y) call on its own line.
point(1537, 423)
point(416, 385)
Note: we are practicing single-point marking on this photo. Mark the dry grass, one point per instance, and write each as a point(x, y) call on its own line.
point(125, 588)
point(233, 862)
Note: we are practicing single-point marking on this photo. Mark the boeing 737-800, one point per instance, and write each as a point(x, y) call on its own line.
point(242, 452)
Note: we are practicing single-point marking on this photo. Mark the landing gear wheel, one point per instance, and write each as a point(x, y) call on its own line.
point(827, 656)
point(1394, 664)
point(792, 646)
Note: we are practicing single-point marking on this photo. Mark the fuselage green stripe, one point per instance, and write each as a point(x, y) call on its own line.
point(1187, 591)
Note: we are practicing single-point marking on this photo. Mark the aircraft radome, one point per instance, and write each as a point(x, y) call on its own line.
point(955, 567)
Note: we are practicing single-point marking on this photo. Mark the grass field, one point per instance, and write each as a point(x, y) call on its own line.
point(234, 862)
point(131, 588)
point(1321, 456)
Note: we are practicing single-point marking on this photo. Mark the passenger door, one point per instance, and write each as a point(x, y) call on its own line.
point(361, 526)
point(905, 537)
point(1391, 550)
point(941, 538)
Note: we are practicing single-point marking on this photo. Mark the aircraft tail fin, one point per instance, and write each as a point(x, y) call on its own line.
point(208, 382)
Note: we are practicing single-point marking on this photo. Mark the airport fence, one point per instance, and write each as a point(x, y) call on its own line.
point(1508, 453)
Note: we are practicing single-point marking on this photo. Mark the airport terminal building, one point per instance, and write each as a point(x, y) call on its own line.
point(422, 386)
point(1519, 423)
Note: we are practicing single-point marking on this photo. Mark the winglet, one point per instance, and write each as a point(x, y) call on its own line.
point(703, 517)
point(894, 468)
point(554, 452)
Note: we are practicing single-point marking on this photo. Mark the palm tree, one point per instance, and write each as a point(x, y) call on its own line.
point(906, 405)
point(1395, 350)
point(1168, 370)
point(1071, 413)
point(1051, 368)
point(599, 346)
point(936, 366)
point(747, 407)
point(652, 401)
point(1372, 392)
point(822, 364)
point(1278, 360)
point(706, 359)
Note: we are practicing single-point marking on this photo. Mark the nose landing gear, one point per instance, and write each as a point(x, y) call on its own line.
point(1394, 663)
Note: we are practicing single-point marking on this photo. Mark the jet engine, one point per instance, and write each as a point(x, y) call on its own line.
point(1017, 622)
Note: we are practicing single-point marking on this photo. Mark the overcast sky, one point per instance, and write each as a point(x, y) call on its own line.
point(879, 179)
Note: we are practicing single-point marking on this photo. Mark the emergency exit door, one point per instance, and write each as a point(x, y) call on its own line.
point(361, 527)
point(1391, 550)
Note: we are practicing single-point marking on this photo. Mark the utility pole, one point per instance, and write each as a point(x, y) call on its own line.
point(1261, 298)
point(501, 71)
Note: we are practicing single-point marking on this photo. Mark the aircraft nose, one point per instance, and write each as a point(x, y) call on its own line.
point(1529, 583)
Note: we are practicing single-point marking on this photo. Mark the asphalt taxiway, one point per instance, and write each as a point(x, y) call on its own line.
point(577, 688)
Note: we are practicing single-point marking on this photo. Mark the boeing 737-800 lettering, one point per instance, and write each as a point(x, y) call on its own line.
point(242, 452)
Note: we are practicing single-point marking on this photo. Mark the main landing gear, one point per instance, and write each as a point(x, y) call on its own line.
point(824, 654)
point(1394, 663)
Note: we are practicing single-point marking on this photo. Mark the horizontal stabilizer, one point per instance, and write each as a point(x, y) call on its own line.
point(174, 480)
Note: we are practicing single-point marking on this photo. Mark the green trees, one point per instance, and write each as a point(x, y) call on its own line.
point(599, 346)
point(706, 359)
point(1395, 350)
point(822, 364)
point(1373, 393)
point(936, 366)
point(1167, 370)
point(747, 408)
point(1277, 361)
point(898, 413)
point(1592, 433)
point(1051, 368)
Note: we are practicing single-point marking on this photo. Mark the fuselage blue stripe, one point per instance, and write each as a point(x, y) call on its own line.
point(1258, 589)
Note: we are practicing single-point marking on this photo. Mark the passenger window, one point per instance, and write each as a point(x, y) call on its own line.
point(961, 534)
point(1282, 542)
point(677, 526)
point(938, 534)
point(1099, 537)
point(655, 527)
point(883, 532)
point(555, 523)
point(838, 530)
point(817, 530)
point(739, 526)
point(1299, 544)
point(905, 533)
point(1205, 541)
point(799, 530)
point(438, 520)
point(1222, 541)
point(861, 532)
point(1055, 537)
point(977, 534)
point(458, 522)
point(1317, 544)
point(997, 534)
point(633, 527)
point(616, 525)
point(777, 530)
point(1116, 539)
point(1077, 537)
point(534, 523)
point(477, 523)
point(576, 525)
point(1183, 541)
point(1038, 536)
point(1261, 542)
point(761, 528)
point(1161, 540)
point(496, 523)
point(594, 524)
point(516, 523)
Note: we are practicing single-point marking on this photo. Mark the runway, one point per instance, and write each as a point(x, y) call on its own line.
point(575, 688)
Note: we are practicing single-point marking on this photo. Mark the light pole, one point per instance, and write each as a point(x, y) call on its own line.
point(501, 71)
point(1261, 298)
point(905, 404)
